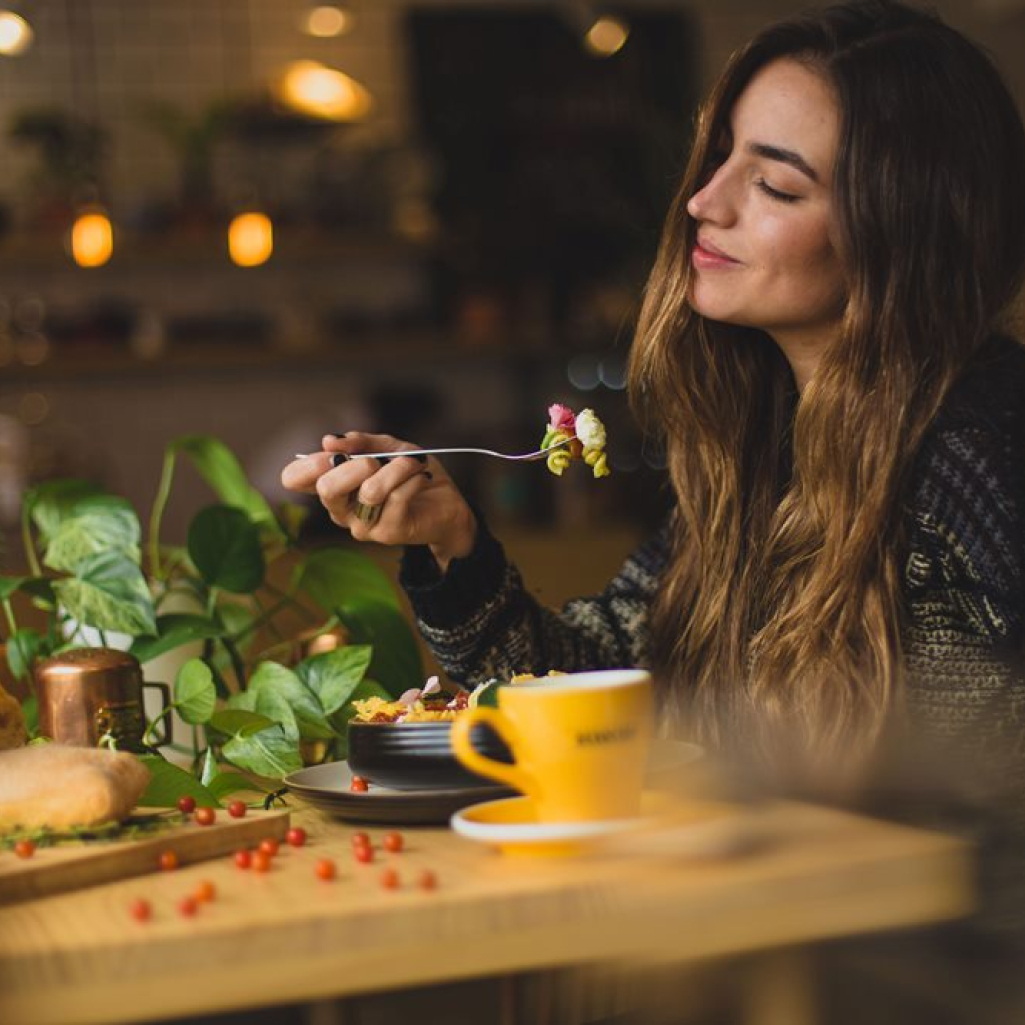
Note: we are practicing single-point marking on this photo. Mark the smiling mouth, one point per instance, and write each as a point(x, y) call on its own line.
point(706, 249)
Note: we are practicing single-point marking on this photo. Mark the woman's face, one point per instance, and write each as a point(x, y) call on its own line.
point(764, 255)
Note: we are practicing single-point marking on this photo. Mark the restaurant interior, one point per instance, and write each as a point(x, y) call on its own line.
point(267, 220)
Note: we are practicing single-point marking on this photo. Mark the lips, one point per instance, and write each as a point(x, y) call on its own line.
point(713, 250)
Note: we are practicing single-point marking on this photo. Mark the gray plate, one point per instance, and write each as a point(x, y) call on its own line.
point(327, 787)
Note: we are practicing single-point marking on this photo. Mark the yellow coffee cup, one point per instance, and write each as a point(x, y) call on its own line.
point(579, 742)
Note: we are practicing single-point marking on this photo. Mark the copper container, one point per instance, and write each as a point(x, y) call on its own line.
point(89, 693)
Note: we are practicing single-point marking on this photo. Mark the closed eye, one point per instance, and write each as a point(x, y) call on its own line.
point(781, 197)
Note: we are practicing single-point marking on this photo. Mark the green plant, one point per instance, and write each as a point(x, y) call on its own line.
point(250, 702)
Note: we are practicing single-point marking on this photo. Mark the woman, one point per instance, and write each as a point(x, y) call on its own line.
point(819, 351)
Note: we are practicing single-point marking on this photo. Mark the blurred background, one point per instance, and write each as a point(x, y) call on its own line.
point(269, 219)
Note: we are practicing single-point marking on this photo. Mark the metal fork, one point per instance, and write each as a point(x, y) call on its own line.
point(523, 457)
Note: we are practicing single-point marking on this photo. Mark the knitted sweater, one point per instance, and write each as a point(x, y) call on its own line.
point(964, 579)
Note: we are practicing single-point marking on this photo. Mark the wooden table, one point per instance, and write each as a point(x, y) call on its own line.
point(287, 937)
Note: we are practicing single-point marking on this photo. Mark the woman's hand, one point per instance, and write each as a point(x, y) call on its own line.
point(406, 501)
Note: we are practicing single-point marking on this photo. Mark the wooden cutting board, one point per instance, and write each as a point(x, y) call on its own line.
point(73, 866)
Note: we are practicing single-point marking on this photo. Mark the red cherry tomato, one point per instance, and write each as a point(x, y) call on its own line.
point(363, 852)
point(359, 785)
point(262, 861)
point(188, 907)
point(187, 804)
point(325, 869)
point(205, 816)
point(24, 848)
point(390, 879)
point(269, 846)
point(244, 858)
point(360, 840)
point(392, 842)
point(237, 809)
point(296, 836)
point(427, 880)
point(141, 910)
point(168, 861)
point(205, 892)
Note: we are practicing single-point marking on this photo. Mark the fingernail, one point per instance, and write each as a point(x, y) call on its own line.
point(418, 456)
point(428, 474)
point(382, 460)
point(338, 458)
point(334, 435)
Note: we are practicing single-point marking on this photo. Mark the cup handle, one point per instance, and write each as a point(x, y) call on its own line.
point(464, 750)
point(165, 713)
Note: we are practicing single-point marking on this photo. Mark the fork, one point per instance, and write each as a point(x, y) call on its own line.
point(523, 457)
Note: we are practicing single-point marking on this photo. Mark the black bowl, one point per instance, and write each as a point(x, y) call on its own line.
point(418, 755)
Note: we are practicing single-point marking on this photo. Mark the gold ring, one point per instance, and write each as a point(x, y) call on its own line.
point(368, 514)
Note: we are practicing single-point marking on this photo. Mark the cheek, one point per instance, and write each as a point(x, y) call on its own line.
point(804, 255)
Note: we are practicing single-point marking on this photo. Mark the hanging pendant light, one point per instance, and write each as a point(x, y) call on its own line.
point(327, 21)
point(91, 239)
point(250, 239)
point(16, 34)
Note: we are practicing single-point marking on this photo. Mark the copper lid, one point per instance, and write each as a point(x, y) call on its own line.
point(79, 663)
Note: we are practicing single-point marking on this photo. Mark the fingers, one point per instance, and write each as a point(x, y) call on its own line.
point(391, 522)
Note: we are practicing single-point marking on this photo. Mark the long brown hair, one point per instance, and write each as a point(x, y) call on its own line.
point(781, 606)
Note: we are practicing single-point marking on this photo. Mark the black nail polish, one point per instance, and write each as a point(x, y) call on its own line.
point(338, 458)
point(418, 456)
point(382, 460)
point(428, 475)
point(335, 435)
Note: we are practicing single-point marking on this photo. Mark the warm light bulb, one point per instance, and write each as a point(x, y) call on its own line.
point(606, 37)
point(15, 34)
point(326, 22)
point(250, 239)
point(319, 91)
point(92, 239)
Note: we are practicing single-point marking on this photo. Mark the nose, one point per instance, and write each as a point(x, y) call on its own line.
point(713, 201)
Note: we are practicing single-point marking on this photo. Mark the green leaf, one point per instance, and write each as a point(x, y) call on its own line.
point(220, 468)
point(334, 675)
point(238, 722)
point(22, 648)
point(173, 630)
point(30, 710)
point(268, 753)
point(10, 585)
point(109, 592)
point(169, 782)
point(488, 697)
point(396, 660)
point(209, 768)
point(244, 701)
point(42, 592)
point(52, 501)
point(274, 684)
point(225, 783)
point(333, 577)
point(194, 692)
point(224, 544)
point(100, 523)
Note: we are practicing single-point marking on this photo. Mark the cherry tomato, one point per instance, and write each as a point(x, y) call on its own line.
point(325, 869)
point(427, 880)
point(188, 906)
point(269, 846)
point(296, 836)
point(24, 848)
point(141, 910)
point(359, 785)
point(237, 809)
point(187, 804)
point(205, 816)
point(244, 858)
point(390, 879)
point(363, 852)
point(392, 842)
point(205, 892)
point(262, 861)
point(168, 861)
point(360, 840)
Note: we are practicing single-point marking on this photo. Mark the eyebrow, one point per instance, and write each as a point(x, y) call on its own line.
point(784, 156)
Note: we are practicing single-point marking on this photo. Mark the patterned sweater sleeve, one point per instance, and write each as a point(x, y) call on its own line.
point(965, 575)
point(481, 622)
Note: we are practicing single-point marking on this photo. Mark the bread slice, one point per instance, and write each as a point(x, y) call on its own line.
point(54, 786)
